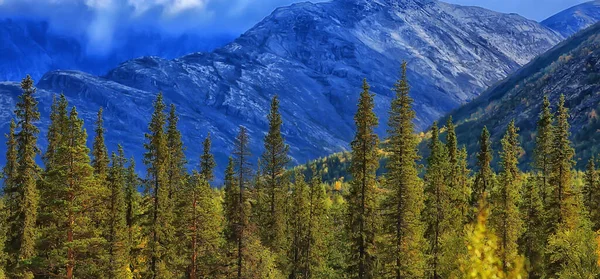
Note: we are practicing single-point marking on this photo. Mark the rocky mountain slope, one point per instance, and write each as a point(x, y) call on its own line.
point(570, 21)
point(572, 68)
point(32, 47)
point(314, 57)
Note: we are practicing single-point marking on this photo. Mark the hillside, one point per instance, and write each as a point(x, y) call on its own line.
point(313, 54)
point(570, 21)
point(572, 68)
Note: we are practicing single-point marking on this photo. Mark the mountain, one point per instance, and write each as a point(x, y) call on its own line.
point(32, 47)
point(570, 21)
point(314, 56)
point(571, 68)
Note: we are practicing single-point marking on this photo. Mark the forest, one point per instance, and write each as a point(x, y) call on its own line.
point(86, 213)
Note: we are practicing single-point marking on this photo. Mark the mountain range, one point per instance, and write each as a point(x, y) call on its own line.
point(314, 57)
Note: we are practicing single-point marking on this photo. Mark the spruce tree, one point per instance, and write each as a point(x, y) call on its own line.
point(9, 199)
point(100, 158)
point(176, 172)
point(533, 240)
point(21, 243)
point(404, 202)
point(505, 198)
point(437, 201)
point(70, 238)
point(543, 148)
point(58, 117)
point(231, 204)
point(116, 234)
point(362, 208)
point(273, 162)
point(133, 211)
point(299, 229)
point(207, 161)
point(3, 234)
point(160, 231)
point(591, 193)
point(243, 173)
point(484, 179)
point(201, 219)
point(318, 250)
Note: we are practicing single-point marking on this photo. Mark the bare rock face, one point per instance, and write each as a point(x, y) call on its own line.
point(314, 57)
point(570, 21)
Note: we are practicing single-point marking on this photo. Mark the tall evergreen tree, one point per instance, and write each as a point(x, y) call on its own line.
point(505, 198)
point(591, 193)
point(543, 148)
point(405, 199)
point(207, 161)
point(457, 178)
point(362, 207)
point(70, 239)
point(273, 162)
point(100, 158)
point(484, 178)
point(437, 201)
point(533, 240)
point(10, 198)
point(176, 172)
point(133, 211)
point(201, 219)
point(21, 242)
point(317, 250)
point(58, 118)
point(116, 234)
point(299, 229)
point(243, 174)
point(160, 231)
point(3, 234)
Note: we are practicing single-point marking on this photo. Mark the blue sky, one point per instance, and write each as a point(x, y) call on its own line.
point(98, 20)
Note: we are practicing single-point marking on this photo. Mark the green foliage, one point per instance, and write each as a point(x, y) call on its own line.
point(533, 240)
point(207, 161)
point(404, 202)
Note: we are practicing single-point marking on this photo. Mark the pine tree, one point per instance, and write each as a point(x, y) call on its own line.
point(133, 211)
point(505, 198)
point(437, 201)
point(458, 188)
point(100, 158)
point(299, 229)
point(176, 172)
point(571, 247)
point(58, 118)
point(10, 190)
point(207, 161)
point(231, 203)
point(362, 207)
point(70, 238)
point(591, 193)
point(243, 172)
point(561, 170)
point(484, 178)
point(21, 242)
point(116, 234)
point(318, 251)
point(273, 162)
point(201, 218)
point(160, 232)
point(543, 148)
point(533, 240)
point(405, 199)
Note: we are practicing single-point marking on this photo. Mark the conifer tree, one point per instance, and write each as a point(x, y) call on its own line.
point(70, 239)
point(437, 201)
point(591, 193)
point(160, 231)
point(243, 174)
point(405, 198)
point(362, 208)
point(543, 148)
point(116, 234)
point(3, 234)
point(273, 162)
point(231, 204)
point(58, 118)
point(207, 161)
point(10, 198)
point(533, 240)
point(133, 211)
point(318, 252)
point(505, 198)
point(457, 179)
point(561, 170)
point(484, 179)
point(100, 158)
point(201, 218)
point(571, 247)
point(299, 229)
point(21, 242)
point(176, 172)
